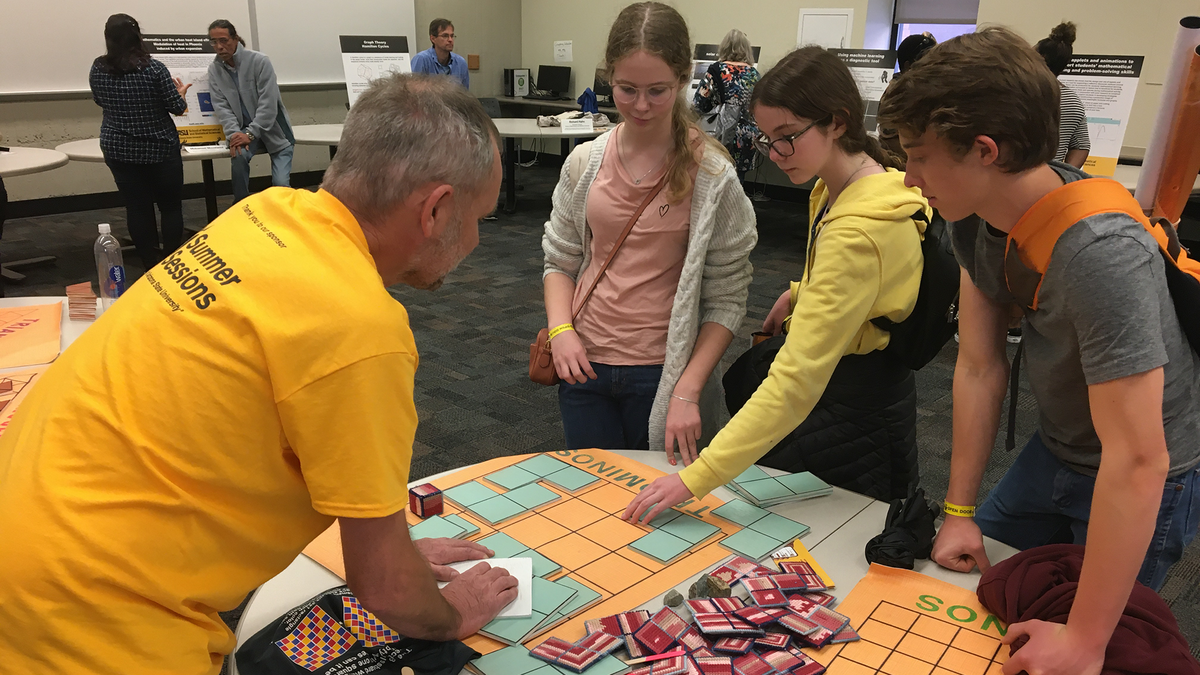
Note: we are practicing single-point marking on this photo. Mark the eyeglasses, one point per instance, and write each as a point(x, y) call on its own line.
point(783, 147)
point(220, 41)
point(447, 36)
point(655, 95)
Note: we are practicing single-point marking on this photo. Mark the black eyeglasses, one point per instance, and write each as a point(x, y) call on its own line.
point(783, 147)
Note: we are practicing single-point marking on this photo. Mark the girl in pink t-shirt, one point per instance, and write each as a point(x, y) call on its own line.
point(637, 362)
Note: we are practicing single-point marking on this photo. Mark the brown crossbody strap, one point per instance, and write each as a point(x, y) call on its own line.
point(620, 240)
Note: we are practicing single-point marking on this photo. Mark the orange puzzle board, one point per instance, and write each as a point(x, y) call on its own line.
point(30, 335)
point(911, 624)
point(14, 387)
point(584, 533)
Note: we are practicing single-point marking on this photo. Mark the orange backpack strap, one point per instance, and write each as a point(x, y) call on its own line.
point(1031, 242)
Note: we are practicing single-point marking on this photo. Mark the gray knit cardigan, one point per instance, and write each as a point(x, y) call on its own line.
point(713, 284)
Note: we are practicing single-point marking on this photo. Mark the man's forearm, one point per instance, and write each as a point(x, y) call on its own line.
point(978, 394)
point(1128, 494)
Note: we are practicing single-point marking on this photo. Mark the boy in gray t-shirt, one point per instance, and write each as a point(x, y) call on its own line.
point(1114, 462)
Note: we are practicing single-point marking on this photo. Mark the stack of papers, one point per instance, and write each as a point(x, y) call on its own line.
point(81, 302)
point(549, 597)
point(760, 489)
point(522, 569)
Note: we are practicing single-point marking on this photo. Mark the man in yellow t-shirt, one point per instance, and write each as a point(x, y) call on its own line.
point(248, 390)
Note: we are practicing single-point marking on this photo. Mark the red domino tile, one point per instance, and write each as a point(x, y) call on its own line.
point(828, 619)
point(670, 622)
point(758, 584)
point(760, 571)
point(676, 665)
point(751, 664)
point(771, 598)
point(702, 605)
point(578, 659)
point(727, 574)
point(654, 638)
point(728, 604)
point(635, 648)
point(733, 645)
point(755, 616)
point(802, 605)
point(630, 622)
point(551, 649)
point(782, 661)
point(691, 639)
point(789, 582)
point(702, 652)
point(600, 642)
point(819, 637)
point(797, 624)
point(846, 634)
point(773, 641)
point(715, 665)
point(820, 598)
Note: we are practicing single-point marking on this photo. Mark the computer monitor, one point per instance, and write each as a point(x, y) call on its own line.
point(601, 87)
point(555, 79)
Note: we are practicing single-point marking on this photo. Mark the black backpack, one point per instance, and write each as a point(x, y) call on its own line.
point(917, 340)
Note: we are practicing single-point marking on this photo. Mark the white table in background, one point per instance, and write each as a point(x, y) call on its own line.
point(510, 128)
point(88, 150)
point(1128, 175)
point(22, 162)
point(71, 330)
point(841, 524)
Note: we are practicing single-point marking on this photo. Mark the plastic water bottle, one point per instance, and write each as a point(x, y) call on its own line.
point(110, 267)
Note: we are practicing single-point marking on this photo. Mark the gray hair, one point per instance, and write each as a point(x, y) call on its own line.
point(735, 46)
point(405, 131)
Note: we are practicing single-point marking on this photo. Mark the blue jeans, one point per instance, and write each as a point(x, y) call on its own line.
point(239, 170)
point(611, 412)
point(1043, 501)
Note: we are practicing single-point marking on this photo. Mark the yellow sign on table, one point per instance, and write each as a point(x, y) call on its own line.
point(911, 624)
point(30, 335)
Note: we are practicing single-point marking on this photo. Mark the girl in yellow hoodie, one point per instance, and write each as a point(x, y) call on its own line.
point(846, 408)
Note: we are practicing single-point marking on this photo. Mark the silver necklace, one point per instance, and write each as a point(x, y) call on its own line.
point(865, 165)
point(636, 181)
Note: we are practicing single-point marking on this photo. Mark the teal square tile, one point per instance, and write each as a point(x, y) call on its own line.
point(503, 545)
point(541, 465)
point(469, 529)
point(549, 596)
point(751, 544)
point(542, 566)
point(497, 509)
point(468, 494)
point(803, 482)
point(740, 512)
point(780, 529)
point(571, 478)
point(434, 527)
point(661, 546)
point(584, 596)
point(511, 478)
point(662, 518)
point(532, 496)
point(753, 473)
point(762, 490)
point(692, 530)
point(509, 661)
point(512, 630)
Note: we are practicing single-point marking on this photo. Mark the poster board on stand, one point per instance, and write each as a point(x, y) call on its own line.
point(367, 57)
point(1106, 84)
point(872, 70)
point(188, 58)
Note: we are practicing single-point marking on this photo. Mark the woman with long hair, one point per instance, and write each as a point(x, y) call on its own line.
point(138, 137)
point(1074, 142)
point(637, 362)
point(726, 89)
point(834, 403)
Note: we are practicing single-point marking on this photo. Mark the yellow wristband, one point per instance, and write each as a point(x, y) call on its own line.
point(961, 511)
point(558, 330)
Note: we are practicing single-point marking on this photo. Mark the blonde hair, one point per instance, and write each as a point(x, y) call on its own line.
point(661, 31)
point(735, 46)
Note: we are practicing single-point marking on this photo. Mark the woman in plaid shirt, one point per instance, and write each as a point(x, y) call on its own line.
point(138, 137)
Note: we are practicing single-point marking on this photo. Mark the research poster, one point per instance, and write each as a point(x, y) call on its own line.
point(1106, 85)
point(366, 57)
point(705, 56)
point(188, 58)
point(873, 70)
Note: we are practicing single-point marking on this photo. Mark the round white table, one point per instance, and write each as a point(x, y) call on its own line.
point(24, 161)
point(88, 150)
point(841, 524)
point(510, 128)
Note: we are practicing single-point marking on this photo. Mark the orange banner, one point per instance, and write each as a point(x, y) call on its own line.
point(13, 388)
point(30, 335)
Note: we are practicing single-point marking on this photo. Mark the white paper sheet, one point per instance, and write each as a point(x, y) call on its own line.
point(522, 569)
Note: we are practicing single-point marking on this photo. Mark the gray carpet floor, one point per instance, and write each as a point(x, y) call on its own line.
point(473, 397)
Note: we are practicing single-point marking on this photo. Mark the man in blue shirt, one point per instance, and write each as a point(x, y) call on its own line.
point(440, 59)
